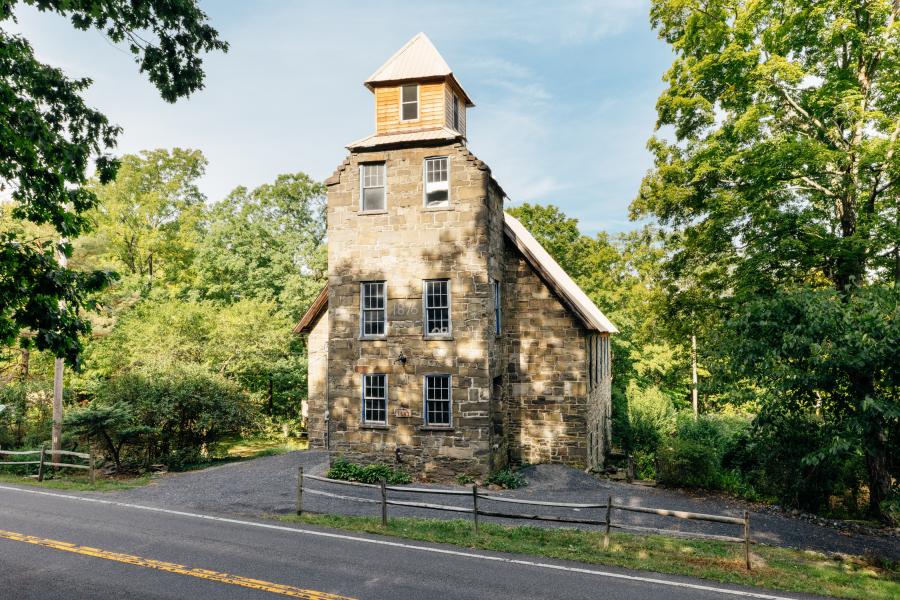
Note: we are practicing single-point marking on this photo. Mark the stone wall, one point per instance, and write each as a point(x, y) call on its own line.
point(546, 370)
point(404, 245)
point(317, 374)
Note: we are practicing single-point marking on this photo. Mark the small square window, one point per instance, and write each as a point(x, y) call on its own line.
point(437, 400)
point(437, 181)
point(374, 398)
point(409, 102)
point(437, 308)
point(373, 309)
point(372, 186)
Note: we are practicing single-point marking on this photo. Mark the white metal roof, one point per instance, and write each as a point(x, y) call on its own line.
point(441, 133)
point(417, 59)
point(558, 279)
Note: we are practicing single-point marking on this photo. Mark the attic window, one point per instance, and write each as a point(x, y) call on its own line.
point(409, 102)
point(437, 190)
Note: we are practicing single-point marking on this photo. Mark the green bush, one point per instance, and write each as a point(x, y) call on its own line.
point(345, 470)
point(687, 463)
point(651, 417)
point(508, 479)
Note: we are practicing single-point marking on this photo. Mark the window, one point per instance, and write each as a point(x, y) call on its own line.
point(373, 315)
point(409, 102)
point(437, 307)
point(497, 313)
point(374, 398)
point(455, 112)
point(372, 178)
point(437, 189)
point(437, 400)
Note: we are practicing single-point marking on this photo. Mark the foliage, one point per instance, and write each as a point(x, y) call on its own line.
point(344, 470)
point(651, 416)
point(782, 184)
point(111, 425)
point(509, 479)
point(464, 479)
point(180, 413)
point(50, 137)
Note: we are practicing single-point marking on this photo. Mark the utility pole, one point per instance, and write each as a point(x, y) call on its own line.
point(56, 435)
point(694, 375)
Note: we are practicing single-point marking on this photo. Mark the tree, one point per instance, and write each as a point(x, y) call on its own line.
point(148, 219)
point(784, 173)
point(266, 245)
point(50, 136)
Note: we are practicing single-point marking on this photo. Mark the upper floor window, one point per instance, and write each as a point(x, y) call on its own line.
point(437, 400)
point(437, 188)
point(372, 191)
point(455, 112)
point(497, 310)
point(437, 308)
point(373, 316)
point(409, 102)
point(374, 398)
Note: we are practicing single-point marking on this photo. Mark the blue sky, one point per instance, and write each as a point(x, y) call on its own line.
point(564, 91)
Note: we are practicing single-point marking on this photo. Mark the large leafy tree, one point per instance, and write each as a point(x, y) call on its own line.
point(784, 179)
point(49, 137)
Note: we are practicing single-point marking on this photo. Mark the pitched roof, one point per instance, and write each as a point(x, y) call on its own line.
point(556, 277)
point(417, 59)
point(421, 135)
point(549, 270)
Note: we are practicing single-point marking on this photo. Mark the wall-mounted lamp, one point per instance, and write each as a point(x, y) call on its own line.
point(401, 359)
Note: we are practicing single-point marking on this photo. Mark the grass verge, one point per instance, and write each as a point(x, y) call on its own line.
point(77, 483)
point(773, 567)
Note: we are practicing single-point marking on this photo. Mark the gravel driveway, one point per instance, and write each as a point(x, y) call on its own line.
point(268, 485)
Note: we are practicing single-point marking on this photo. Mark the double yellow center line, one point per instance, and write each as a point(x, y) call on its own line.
point(256, 584)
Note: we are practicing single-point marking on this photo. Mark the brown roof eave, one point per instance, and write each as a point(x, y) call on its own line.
point(318, 306)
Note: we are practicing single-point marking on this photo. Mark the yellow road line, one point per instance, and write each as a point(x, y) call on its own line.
point(256, 584)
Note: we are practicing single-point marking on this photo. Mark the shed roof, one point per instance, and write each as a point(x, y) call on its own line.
point(420, 135)
point(539, 259)
point(417, 59)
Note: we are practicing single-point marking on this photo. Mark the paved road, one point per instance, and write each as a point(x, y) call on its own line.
point(268, 485)
point(56, 545)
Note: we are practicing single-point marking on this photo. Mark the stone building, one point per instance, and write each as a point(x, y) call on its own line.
point(447, 339)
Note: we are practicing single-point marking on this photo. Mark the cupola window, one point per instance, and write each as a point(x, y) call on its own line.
point(409, 102)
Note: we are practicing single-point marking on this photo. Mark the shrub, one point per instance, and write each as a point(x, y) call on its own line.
point(464, 479)
point(688, 463)
point(651, 416)
point(345, 470)
point(508, 479)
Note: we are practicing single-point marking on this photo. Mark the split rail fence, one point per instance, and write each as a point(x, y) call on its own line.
point(476, 510)
point(51, 458)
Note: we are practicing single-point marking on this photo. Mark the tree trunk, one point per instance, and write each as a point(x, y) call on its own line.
point(876, 448)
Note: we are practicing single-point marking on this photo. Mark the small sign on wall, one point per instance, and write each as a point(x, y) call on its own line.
point(403, 412)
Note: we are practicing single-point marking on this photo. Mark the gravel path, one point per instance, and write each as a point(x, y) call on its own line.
point(268, 485)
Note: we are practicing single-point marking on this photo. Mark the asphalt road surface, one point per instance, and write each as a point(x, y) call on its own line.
point(59, 545)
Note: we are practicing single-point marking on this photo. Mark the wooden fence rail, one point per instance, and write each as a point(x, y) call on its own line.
point(476, 511)
point(44, 462)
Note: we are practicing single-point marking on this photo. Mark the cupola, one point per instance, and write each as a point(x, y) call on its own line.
point(416, 97)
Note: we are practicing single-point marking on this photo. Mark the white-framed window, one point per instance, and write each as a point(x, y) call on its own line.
point(373, 309)
point(438, 401)
point(374, 398)
point(409, 102)
point(372, 192)
point(436, 298)
point(437, 181)
point(455, 112)
point(498, 314)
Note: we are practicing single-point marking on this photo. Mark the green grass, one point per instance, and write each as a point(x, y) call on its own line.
point(76, 483)
point(773, 567)
point(248, 448)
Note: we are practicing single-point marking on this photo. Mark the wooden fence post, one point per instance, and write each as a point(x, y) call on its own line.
point(300, 490)
point(475, 507)
point(383, 504)
point(747, 538)
point(629, 469)
point(608, 519)
point(41, 464)
point(91, 467)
